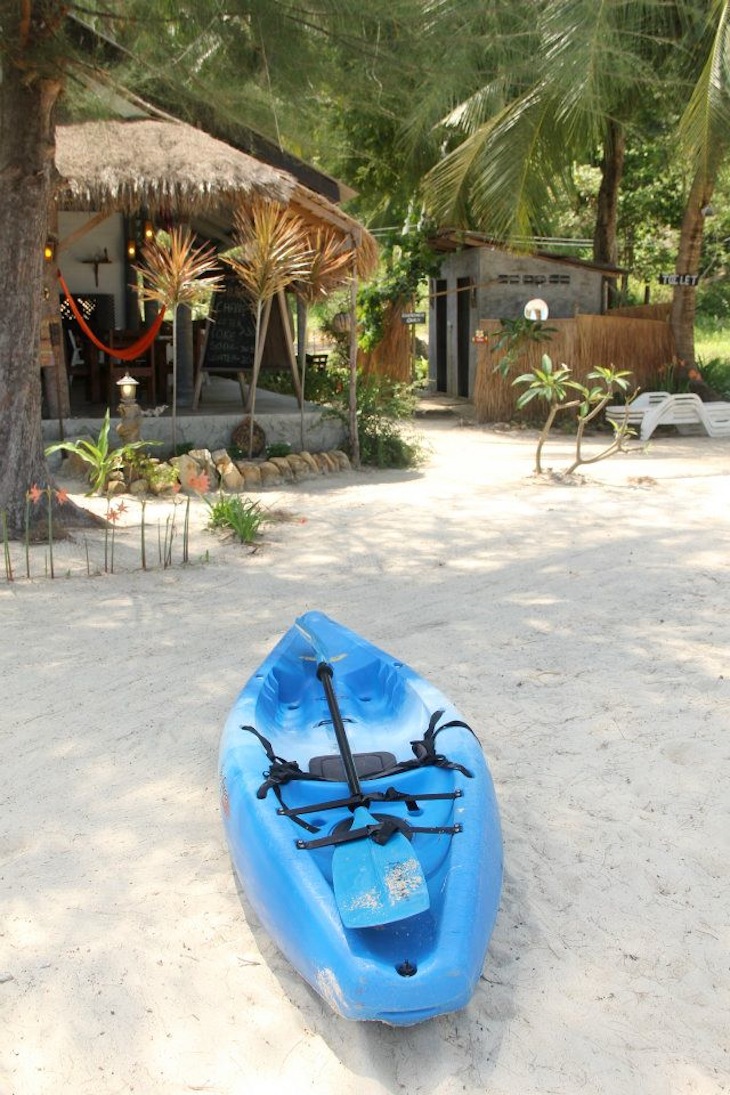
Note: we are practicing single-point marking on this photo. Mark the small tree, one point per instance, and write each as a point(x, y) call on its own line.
point(175, 274)
point(554, 387)
point(273, 252)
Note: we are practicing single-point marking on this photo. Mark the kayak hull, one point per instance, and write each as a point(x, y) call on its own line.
point(399, 973)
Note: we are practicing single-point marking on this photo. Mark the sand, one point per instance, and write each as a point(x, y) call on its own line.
point(582, 629)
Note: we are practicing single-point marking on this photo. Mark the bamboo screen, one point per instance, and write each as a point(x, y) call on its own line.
point(641, 345)
point(392, 357)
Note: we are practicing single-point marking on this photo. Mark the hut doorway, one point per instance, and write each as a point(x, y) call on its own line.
point(441, 351)
point(463, 335)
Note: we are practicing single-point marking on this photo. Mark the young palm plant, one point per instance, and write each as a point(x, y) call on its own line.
point(331, 265)
point(273, 251)
point(176, 274)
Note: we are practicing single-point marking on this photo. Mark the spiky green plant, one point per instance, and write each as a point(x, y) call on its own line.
point(176, 273)
point(101, 458)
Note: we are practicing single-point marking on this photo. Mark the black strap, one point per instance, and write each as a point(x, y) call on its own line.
point(379, 833)
point(281, 771)
point(391, 795)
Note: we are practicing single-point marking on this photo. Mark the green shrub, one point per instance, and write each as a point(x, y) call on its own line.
point(238, 515)
point(101, 458)
point(279, 448)
point(716, 373)
point(157, 475)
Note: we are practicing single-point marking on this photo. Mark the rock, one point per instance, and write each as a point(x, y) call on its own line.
point(114, 487)
point(231, 477)
point(74, 467)
point(309, 459)
point(251, 474)
point(342, 459)
point(189, 468)
point(220, 456)
point(300, 468)
point(270, 474)
point(205, 461)
point(323, 462)
point(282, 463)
point(138, 487)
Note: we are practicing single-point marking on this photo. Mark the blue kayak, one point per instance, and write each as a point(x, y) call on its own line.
point(363, 825)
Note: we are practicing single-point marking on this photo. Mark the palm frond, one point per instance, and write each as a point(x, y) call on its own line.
point(705, 125)
point(177, 273)
point(273, 249)
point(507, 170)
point(330, 266)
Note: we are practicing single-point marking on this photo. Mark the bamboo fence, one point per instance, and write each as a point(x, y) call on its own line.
point(641, 345)
point(393, 356)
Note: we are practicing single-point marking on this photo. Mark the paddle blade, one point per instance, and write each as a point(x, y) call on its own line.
point(377, 883)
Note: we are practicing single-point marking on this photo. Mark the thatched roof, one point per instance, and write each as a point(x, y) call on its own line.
point(158, 165)
point(169, 167)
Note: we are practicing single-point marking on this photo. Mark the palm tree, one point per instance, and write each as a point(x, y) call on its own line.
point(591, 64)
point(273, 252)
point(705, 135)
point(174, 274)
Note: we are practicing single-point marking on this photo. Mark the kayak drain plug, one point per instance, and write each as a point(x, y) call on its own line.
point(405, 969)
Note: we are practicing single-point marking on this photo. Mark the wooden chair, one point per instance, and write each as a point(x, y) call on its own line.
point(78, 366)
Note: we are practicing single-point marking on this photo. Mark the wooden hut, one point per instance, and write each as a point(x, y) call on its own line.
point(118, 176)
point(482, 282)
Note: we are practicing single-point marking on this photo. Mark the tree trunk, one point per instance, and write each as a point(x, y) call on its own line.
point(26, 170)
point(684, 301)
point(605, 247)
point(354, 432)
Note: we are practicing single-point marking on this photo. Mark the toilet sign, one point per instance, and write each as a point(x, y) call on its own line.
point(679, 279)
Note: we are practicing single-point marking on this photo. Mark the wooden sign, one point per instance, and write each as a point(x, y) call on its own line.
point(679, 279)
point(231, 335)
point(413, 317)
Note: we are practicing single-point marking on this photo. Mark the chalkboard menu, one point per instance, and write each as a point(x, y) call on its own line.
point(231, 335)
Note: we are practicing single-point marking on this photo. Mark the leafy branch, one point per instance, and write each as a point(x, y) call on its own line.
point(555, 387)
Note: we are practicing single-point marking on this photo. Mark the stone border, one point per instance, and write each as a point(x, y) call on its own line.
point(225, 473)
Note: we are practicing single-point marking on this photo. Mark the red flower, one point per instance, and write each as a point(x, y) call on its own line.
point(199, 483)
point(35, 494)
point(62, 496)
point(115, 512)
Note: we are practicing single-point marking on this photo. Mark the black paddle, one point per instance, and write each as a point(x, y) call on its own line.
point(373, 883)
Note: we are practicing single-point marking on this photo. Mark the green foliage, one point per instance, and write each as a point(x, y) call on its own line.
point(407, 262)
point(157, 475)
point(555, 386)
point(279, 448)
point(239, 515)
point(382, 405)
point(514, 335)
point(548, 383)
point(101, 458)
point(716, 372)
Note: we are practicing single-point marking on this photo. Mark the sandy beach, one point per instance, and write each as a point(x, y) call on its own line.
point(582, 629)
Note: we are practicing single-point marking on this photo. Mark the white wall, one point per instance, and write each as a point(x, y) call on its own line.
point(79, 272)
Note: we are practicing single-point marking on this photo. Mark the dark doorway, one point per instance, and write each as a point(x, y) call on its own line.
point(463, 334)
point(441, 330)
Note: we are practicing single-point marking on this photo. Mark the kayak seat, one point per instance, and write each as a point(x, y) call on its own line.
point(367, 766)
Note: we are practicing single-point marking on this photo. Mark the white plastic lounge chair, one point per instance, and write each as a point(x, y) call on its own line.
point(633, 413)
point(684, 410)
